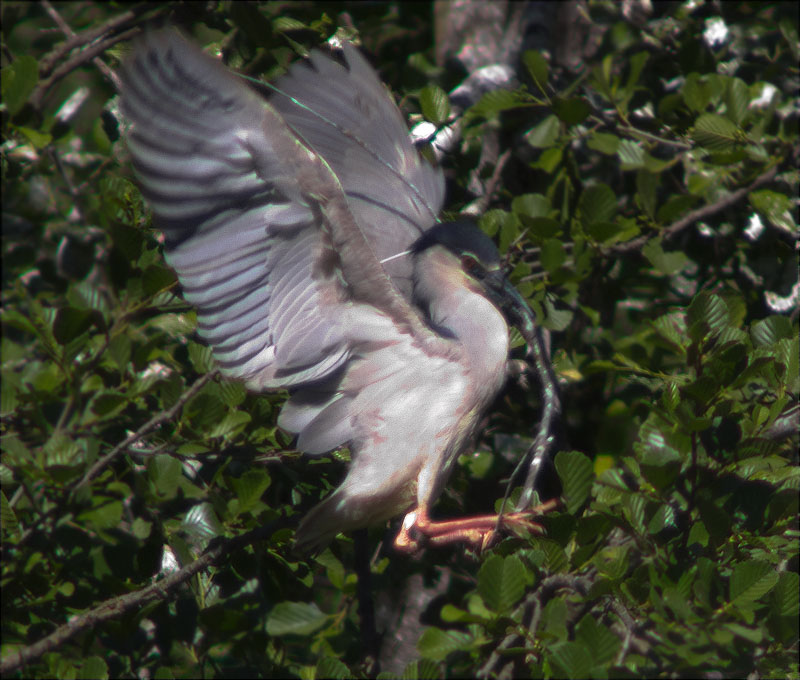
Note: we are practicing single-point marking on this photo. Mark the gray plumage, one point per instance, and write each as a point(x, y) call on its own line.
point(277, 213)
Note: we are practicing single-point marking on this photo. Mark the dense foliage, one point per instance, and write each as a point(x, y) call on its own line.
point(645, 192)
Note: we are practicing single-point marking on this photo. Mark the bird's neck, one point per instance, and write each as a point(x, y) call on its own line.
point(455, 309)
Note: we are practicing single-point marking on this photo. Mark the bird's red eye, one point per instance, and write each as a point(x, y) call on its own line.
point(470, 265)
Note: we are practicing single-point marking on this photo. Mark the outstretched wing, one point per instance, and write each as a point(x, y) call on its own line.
point(344, 113)
point(268, 242)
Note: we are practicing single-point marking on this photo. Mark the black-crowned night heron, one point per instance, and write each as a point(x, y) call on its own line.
point(303, 228)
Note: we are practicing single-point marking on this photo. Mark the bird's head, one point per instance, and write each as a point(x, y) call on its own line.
point(453, 256)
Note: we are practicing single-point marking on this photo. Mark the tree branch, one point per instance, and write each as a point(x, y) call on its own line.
point(694, 216)
point(115, 607)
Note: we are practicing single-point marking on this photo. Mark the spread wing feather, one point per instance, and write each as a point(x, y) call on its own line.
point(345, 114)
point(265, 267)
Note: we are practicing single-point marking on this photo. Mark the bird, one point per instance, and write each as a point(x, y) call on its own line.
point(304, 227)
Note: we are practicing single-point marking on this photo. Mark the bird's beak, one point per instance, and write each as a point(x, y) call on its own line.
point(511, 303)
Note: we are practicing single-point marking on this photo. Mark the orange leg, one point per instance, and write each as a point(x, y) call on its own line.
point(477, 531)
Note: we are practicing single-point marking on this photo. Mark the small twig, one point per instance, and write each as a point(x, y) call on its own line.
point(654, 138)
point(117, 606)
point(478, 207)
point(694, 216)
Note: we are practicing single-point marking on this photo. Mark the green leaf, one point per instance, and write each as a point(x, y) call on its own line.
point(715, 132)
point(668, 263)
point(538, 68)
point(597, 639)
point(554, 619)
point(571, 111)
point(552, 255)
point(637, 63)
point(697, 92)
point(329, 667)
point(675, 207)
point(577, 474)
point(556, 319)
point(230, 425)
point(250, 487)
point(106, 513)
point(93, 667)
point(604, 143)
point(698, 534)
point(70, 323)
point(769, 331)
point(776, 207)
point(663, 517)
point(737, 97)
point(532, 205)
point(109, 403)
point(38, 139)
point(201, 523)
point(8, 520)
point(544, 134)
point(435, 104)
point(495, 102)
point(501, 582)
point(18, 81)
point(787, 594)
point(707, 313)
point(646, 187)
point(205, 410)
point(660, 463)
point(549, 159)
point(540, 228)
point(571, 660)
point(605, 232)
point(597, 204)
point(156, 279)
point(631, 154)
point(420, 669)
point(295, 618)
point(436, 644)
point(201, 357)
point(751, 580)
point(716, 521)
point(164, 472)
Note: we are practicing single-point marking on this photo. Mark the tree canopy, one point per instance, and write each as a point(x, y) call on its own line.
point(636, 164)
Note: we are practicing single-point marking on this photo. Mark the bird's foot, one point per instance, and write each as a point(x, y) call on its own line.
point(479, 532)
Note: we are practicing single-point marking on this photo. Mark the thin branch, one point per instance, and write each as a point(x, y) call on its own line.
point(694, 216)
point(89, 53)
point(149, 426)
point(551, 409)
point(532, 606)
point(77, 60)
point(480, 204)
point(654, 138)
point(115, 607)
point(75, 40)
